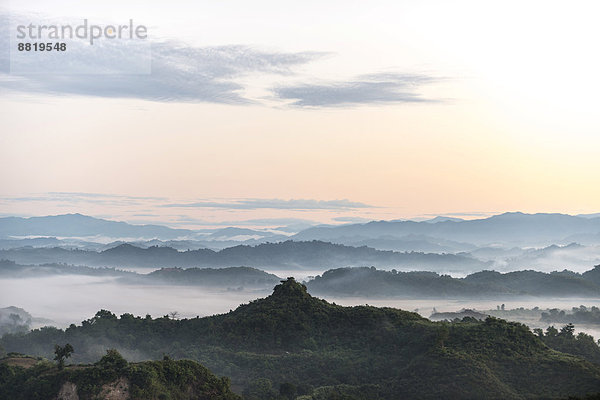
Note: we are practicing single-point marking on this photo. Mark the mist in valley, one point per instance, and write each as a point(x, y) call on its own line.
point(67, 278)
point(72, 298)
point(63, 300)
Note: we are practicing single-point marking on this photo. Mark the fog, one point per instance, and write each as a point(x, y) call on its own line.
point(73, 298)
point(425, 307)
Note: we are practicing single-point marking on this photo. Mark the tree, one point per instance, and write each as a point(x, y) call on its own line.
point(113, 360)
point(260, 389)
point(288, 390)
point(551, 331)
point(567, 330)
point(61, 353)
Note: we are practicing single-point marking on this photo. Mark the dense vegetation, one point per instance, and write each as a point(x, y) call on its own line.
point(366, 282)
point(565, 340)
point(30, 379)
point(219, 277)
point(372, 282)
point(291, 344)
point(579, 315)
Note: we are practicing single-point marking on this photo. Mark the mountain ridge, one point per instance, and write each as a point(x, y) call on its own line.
point(294, 254)
point(79, 225)
point(548, 226)
point(531, 229)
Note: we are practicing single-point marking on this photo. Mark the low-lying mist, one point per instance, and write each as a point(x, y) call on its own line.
point(426, 307)
point(70, 299)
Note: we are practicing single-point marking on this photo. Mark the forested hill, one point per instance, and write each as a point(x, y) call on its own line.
point(320, 350)
point(204, 277)
point(287, 254)
point(374, 283)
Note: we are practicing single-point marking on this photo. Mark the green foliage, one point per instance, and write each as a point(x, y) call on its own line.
point(260, 389)
point(113, 360)
point(348, 392)
point(369, 282)
point(566, 341)
point(166, 379)
point(61, 353)
point(293, 340)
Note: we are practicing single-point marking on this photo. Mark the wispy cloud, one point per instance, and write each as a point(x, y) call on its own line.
point(352, 219)
point(467, 214)
point(82, 197)
point(279, 221)
point(182, 73)
point(179, 73)
point(293, 204)
point(365, 89)
point(163, 202)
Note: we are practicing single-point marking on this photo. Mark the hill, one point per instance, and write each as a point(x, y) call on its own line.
point(111, 378)
point(211, 277)
point(321, 350)
point(373, 283)
point(14, 320)
point(366, 282)
point(286, 254)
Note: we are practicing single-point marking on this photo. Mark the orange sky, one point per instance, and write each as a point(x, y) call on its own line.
point(511, 124)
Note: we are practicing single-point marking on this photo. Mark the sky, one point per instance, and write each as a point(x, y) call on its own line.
point(257, 113)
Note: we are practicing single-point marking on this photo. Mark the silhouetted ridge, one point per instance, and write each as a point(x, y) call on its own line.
point(593, 275)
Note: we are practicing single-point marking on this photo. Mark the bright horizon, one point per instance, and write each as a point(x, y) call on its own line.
point(343, 112)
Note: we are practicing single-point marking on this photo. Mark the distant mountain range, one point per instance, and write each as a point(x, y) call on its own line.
point(81, 231)
point(77, 225)
point(439, 233)
point(286, 255)
point(509, 241)
point(513, 229)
